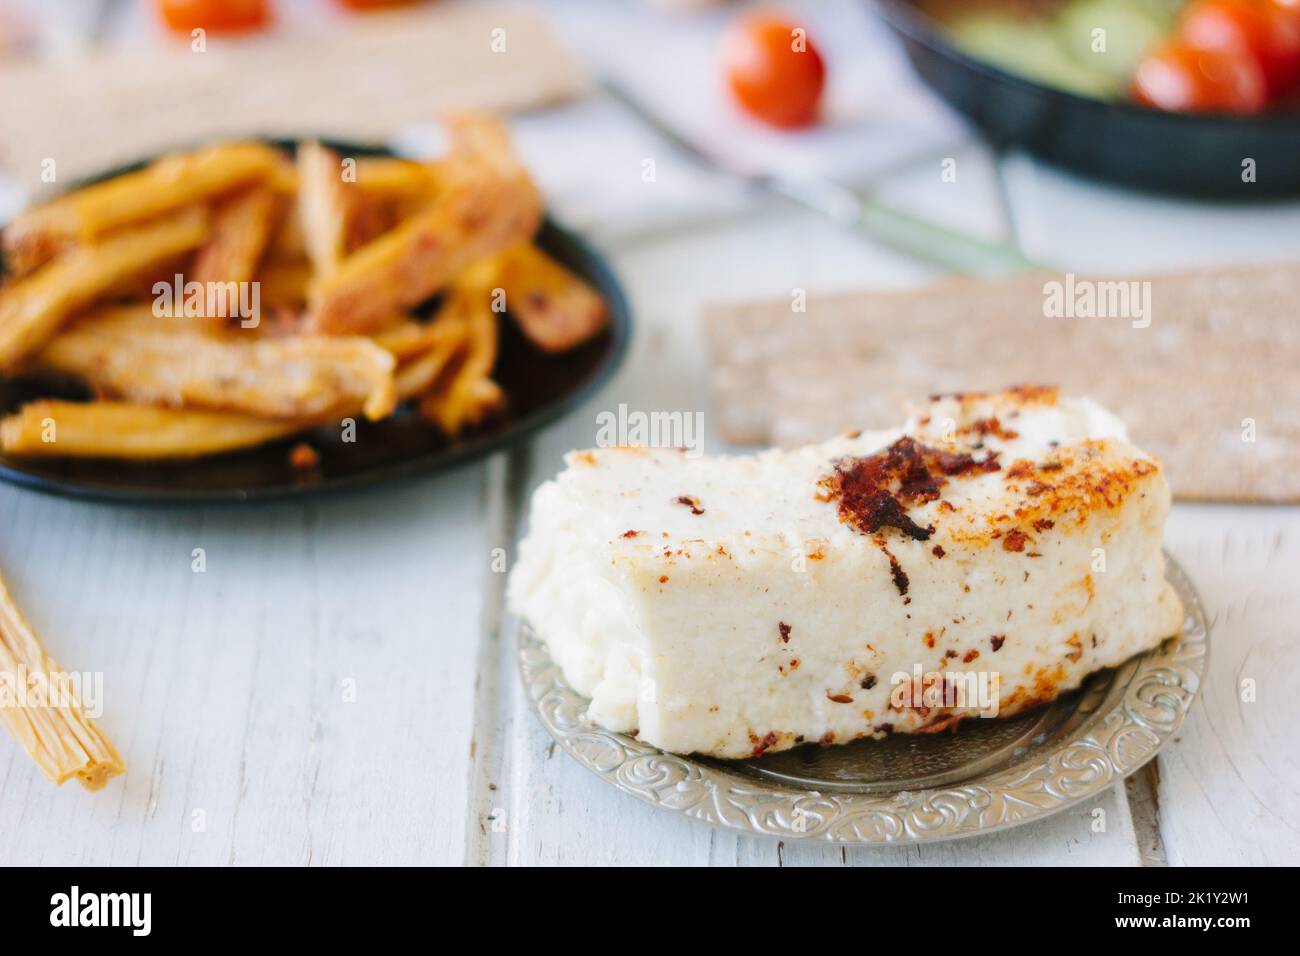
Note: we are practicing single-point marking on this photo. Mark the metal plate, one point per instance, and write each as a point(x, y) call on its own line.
point(908, 788)
point(540, 387)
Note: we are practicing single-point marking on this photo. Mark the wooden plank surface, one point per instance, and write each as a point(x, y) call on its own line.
point(1228, 787)
point(224, 688)
point(1230, 782)
point(227, 691)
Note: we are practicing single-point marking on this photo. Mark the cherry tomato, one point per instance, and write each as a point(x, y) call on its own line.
point(1287, 10)
point(1184, 79)
point(215, 16)
point(774, 70)
point(1268, 31)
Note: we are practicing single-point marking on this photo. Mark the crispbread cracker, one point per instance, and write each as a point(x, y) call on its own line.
point(1220, 358)
point(364, 82)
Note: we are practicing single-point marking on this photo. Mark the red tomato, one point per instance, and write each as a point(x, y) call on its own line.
point(1184, 79)
point(215, 16)
point(1268, 31)
point(375, 4)
point(1287, 10)
point(774, 70)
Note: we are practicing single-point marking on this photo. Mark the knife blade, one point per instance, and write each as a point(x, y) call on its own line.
point(902, 231)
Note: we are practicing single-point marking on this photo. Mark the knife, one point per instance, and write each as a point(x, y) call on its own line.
point(912, 235)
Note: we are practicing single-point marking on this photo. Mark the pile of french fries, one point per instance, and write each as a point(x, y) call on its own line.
point(224, 298)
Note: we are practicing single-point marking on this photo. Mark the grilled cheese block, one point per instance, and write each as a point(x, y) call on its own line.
point(743, 605)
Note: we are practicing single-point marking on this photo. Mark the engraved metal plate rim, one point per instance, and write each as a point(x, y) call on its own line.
point(1142, 717)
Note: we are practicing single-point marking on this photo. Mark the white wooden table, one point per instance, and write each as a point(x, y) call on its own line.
point(338, 687)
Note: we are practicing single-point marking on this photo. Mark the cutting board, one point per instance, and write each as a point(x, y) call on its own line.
point(1211, 383)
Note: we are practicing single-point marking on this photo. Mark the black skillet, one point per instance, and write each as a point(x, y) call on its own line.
point(1117, 141)
point(540, 388)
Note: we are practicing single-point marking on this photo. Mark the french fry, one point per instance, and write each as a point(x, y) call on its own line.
point(403, 338)
point(378, 176)
point(386, 177)
point(33, 308)
point(142, 432)
point(174, 181)
point(420, 373)
point(472, 404)
point(367, 222)
point(489, 202)
point(486, 399)
point(324, 206)
point(556, 309)
point(455, 401)
point(241, 227)
point(130, 353)
point(284, 180)
point(479, 144)
point(141, 285)
point(55, 731)
point(283, 283)
point(386, 192)
point(404, 267)
point(287, 243)
point(418, 258)
point(482, 331)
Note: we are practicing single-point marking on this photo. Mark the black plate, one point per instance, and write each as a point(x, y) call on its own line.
point(540, 388)
point(1117, 141)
